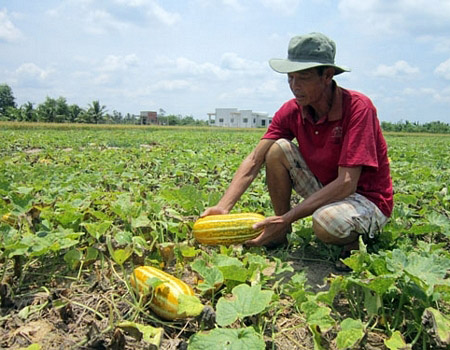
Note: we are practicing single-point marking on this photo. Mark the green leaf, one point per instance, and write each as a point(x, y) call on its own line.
point(438, 326)
point(121, 255)
point(141, 221)
point(91, 254)
point(97, 229)
point(73, 258)
point(405, 198)
point(352, 331)
point(426, 271)
point(335, 287)
point(227, 339)
point(317, 337)
point(188, 251)
point(189, 305)
point(148, 334)
point(234, 273)
point(247, 301)
point(68, 214)
point(32, 347)
point(379, 284)
point(296, 287)
point(423, 229)
point(372, 302)
point(212, 276)
point(282, 266)
point(123, 237)
point(317, 315)
point(221, 260)
point(439, 220)
point(395, 342)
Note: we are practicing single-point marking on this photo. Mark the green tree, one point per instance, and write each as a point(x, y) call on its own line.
point(129, 119)
point(27, 112)
point(46, 111)
point(116, 117)
point(7, 99)
point(75, 112)
point(96, 112)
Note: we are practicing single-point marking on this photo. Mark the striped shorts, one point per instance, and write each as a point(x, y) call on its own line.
point(353, 214)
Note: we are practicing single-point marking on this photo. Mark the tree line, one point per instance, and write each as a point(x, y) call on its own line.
point(435, 127)
point(59, 111)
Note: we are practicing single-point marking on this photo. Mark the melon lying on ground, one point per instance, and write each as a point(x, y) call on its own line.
point(167, 296)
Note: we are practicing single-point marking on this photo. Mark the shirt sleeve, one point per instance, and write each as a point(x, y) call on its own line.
point(359, 146)
point(280, 128)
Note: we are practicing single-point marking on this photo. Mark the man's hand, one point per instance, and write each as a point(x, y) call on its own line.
point(274, 234)
point(214, 211)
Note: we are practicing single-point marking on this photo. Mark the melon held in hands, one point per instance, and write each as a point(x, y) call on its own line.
point(227, 229)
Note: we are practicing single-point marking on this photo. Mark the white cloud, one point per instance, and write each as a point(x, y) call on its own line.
point(439, 96)
point(232, 61)
point(443, 70)
point(184, 66)
point(443, 96)
point(119, 63)
point(441, 44)
point(234, 4)
point(399, 68)
point(386, 16)
point(32, 70)
point(285, 7)
point(30, 75)
point(164, 16)
point(171, 85)
point(153, 9)
point(231, 66)
point(8, 31)
point(132, 3)
point(266, 89)
point(101, 22)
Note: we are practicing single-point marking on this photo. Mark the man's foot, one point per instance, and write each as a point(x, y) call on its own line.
point(345, 253)
point(339, 265)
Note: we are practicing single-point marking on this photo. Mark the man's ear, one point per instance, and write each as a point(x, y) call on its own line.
point(329, 73)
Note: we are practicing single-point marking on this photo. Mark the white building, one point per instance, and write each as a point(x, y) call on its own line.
point(234, 118)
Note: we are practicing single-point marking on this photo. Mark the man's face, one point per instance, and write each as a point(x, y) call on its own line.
point(308, 86)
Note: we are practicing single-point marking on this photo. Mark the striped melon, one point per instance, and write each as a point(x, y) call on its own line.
point(227, 229)
point(165, 298)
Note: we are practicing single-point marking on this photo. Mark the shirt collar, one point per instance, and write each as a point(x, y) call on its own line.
point(335, 112)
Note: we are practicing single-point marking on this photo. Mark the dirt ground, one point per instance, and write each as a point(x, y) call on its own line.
point(81, 313)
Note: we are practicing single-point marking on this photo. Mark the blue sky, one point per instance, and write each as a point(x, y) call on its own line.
point(190, 57)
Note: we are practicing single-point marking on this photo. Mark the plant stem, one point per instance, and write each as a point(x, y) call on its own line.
point(397, 312)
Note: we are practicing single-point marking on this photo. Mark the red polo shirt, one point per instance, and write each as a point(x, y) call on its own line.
point(349, 136)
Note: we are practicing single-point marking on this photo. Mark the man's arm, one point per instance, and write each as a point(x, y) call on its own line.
point(244, 176)
point(275, 226)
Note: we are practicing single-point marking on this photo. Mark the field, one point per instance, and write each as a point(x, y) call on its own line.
point(82, 206)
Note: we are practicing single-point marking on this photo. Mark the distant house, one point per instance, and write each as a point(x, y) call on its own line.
point(234, 118)
point(148, 118)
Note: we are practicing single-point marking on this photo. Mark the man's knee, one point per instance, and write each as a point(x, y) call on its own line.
point(322, 234)
point(273, 153)
point(276, 156)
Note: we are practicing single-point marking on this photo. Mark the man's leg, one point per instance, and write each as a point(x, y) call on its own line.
point(350, 241)
point(278, 179)
point(341, 223)
point(285, 170)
